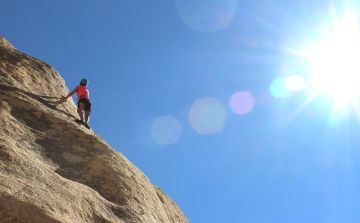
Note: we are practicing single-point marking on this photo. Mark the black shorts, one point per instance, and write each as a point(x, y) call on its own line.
point(86, 102)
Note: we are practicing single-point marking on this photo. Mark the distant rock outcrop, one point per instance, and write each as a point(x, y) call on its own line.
point(54, 170)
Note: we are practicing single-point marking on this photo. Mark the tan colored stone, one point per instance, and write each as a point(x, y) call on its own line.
point(54, 170)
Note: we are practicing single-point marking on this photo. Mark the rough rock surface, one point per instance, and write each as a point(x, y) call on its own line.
point(54, 170)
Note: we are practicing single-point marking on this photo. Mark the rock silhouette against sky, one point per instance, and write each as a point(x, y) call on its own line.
point(54, 170)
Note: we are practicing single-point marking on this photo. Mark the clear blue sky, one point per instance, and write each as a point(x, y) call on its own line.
point(150, 63)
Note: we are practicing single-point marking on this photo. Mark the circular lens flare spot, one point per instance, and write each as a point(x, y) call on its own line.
point(206, 15)
point(278, 88)
point(242, 102)
point(165, 130)
point(208, 115)
point(294, 83)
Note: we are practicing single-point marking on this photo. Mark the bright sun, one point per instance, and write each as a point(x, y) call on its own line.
point(336, 62)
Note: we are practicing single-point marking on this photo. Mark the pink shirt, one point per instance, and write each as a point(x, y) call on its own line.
point(82, 92)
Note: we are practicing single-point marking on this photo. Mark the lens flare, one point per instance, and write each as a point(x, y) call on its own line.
point(242, 102)
point(165, 130)
point(206, 15)
point(208, 115)
point(294, 82)
point(335, 61)
point(278, 88)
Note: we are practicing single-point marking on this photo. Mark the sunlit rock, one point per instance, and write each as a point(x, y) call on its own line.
point(54, 170)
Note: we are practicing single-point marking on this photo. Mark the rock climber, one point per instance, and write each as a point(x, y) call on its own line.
point(83, 102)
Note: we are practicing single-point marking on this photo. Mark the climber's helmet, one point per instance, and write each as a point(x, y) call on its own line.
point(84, 82)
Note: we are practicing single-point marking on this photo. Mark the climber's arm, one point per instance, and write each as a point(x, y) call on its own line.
point(71, 93)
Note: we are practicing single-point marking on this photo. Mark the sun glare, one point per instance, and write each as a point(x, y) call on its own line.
point(336, 62)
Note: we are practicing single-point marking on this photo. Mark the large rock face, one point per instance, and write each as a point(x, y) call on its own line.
point(54, 170)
